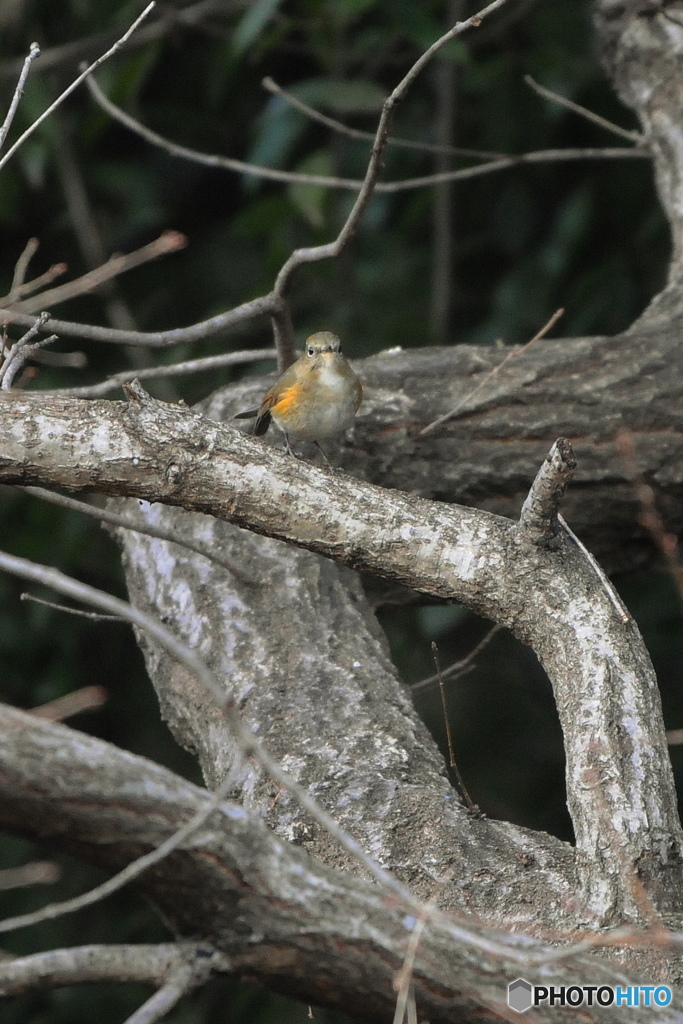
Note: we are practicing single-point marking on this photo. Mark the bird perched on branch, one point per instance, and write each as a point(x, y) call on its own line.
point(316, 397)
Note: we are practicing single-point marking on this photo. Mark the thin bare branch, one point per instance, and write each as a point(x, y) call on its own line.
point(80, 612)
point(213, 159)
point(21, 350)
point(489, 376)
point(348, 230)
point(105, 515)
point(37, 872)
point(539, 156)
point(86, 698)
point(168, 242)
point(47, 277)
point(34, 52)
point(356, 133)
point(74, 85)
point(247, 740)
point(166, 19)
point(459, 668)
point(449, 733)
point(619, 606)
point(179, 984)
point(265, 305)
point(183, 369)
point(554, 97)
point(495, 163)
point(21, 267)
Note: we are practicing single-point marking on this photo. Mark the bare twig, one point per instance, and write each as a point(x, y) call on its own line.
point(105, 515)
point(619, 606)
point(80, 612)
point(265, 305)
point(169, 241)
point(350, 226)
point(248, 743)
point(555, 97)
point(449, 735)
point(74, 85)
point(213, 159)
point(179, 984)
point(21, 267)
point(87, 698)
point(142, 963)
point(166, 18)
point(459, 668)
point(37, 872)
point(34, 52)
point(279, 312)
point(489, 376)
point(402, 981)
point(47, 277)
point(21, 350)
point(357, 133)
point(172, 370)
point(497, 163)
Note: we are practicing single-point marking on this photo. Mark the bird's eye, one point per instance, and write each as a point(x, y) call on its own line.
point(310, 350)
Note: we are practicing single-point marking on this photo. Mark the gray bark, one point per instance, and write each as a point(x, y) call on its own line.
point(277, 914)
point(301, 655)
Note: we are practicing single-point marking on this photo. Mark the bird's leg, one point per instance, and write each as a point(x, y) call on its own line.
point(288, 447)
point(329, 464)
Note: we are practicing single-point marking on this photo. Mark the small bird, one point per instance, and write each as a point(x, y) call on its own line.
point(316, 397)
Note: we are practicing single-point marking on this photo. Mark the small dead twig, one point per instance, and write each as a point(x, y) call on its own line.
point(21, 267)
point(22, 350)
point(489, 376)
point(80, 612)
point(458, 668)
point(34, 52)
point(356, 133)
point(87, 698)
point(105, 515)
point(37, 872)
point(449, 735)
point(168, 242)
point(589, 115)
point(74, 85)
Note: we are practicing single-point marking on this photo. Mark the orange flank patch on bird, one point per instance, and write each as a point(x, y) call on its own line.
point(286, 400)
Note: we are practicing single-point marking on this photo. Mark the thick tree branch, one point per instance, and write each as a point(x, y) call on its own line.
point(279, 916)
point(551, 599)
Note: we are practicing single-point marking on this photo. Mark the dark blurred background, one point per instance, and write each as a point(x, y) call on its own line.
point(481, 260)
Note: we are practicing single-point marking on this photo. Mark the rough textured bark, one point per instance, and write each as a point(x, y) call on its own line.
point(585, 389)
point(278, 915)
point(300, 652)
point(325, 696)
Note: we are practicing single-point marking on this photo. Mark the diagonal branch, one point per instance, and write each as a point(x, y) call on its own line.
point(550, 598)
point(253, 897)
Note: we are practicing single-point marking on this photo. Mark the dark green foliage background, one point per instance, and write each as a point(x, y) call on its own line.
point(587, 235)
